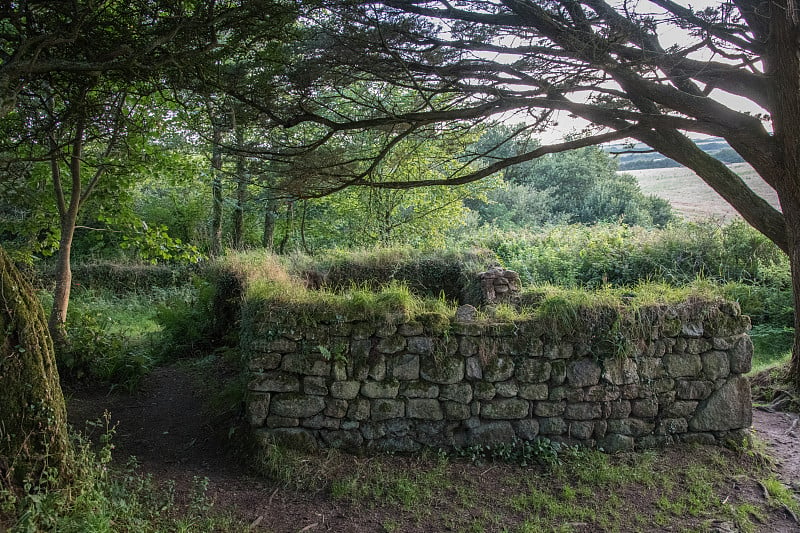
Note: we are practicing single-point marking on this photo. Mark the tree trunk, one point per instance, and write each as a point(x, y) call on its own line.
point(58, 314)
point(794, 259)
point(782, 67)
point(241, 195)
point(270, 218)
point(216, 193)
point(33, 432)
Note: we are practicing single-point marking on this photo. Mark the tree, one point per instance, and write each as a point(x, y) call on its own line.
point(611, 65)
point(33, 435)
point(72, 66)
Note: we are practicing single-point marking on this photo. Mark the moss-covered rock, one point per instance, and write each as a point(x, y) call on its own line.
point(33, 433)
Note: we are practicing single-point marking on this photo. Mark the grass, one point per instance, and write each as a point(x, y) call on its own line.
point(102, 498)
point(113, 337)
point(693, 198)
point(584, 490)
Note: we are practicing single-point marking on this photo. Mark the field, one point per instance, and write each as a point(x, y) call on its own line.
point(691, 197)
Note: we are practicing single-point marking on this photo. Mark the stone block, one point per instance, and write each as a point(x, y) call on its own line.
point(268, 361)
point(729, 407)
point(474, 371)
point(682, 409)
point(376, 369)
point(358, 410)
point(456, 410)
point(386, 330)
point(532, 370)
point(346, 440)
point(404, 367)
point(698, 346)
point(294, 438)
point(600, 429)
point(419, 389)
point(491, 433)
point(410, 329)
point(335, 408)
point(549, 409)
point(498, 369)
point(506, 389)
point(686, 389)
point(618, 409)
point(458, 392)
point(552, 426)
point(558, 350)
point(484, 391)
point(294, 405)
point(281, 345)
point(583, 411)
point(257, 407)
point(581, 430)
point(339, 371)
point(360, 349)
point(380, 389)
point(362, 331)
point(425, 409)
point(444, 371)
point(505, 409)
point(308, 364)
point(615, 443)
point(741, 355)
point(600, 393)
point(558, 372)
point(671, 426)
point(650, 368)
point(534, 391)
point(383, 409)
point(630, 426)
point(715, 364)
point(620, 370)
point(321, 421)
point(662, 385)
point(273, 421)
point(345, 390)
point(420, 345)
point(527, 429)
point(570, 394)
point(391, 344)
point(315, 386)
point(683, 365)
point(646, 408)
point(275, 382)
point(692, 329)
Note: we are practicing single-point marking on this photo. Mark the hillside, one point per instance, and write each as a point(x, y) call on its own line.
point(691, 197)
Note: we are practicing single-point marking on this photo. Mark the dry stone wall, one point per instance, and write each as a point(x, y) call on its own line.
point(404, 386)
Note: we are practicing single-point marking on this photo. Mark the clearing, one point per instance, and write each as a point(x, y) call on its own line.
point(166, 427)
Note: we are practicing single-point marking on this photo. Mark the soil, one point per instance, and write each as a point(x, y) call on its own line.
point(166, 427)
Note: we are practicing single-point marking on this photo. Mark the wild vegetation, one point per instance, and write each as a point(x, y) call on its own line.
point(142, 140)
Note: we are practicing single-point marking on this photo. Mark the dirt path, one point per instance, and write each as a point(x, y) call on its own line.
point(781, 433)
point(165, 426)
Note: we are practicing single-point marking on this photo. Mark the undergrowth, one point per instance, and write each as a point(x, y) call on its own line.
point(106, 499)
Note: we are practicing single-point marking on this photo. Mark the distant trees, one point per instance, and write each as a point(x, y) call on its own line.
point(577, 186)
point(72, 74)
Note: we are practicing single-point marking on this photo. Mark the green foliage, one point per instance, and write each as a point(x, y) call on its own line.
point(579, 186)
point(104, 499)
point(187, 324)
point(751, 269)
point(109, 338)
point(523, 453)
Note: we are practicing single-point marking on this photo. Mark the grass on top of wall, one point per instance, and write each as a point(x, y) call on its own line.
point(617, 318)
